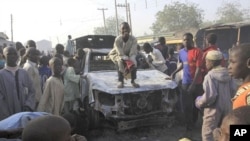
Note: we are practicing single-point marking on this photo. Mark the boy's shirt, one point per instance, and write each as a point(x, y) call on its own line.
point(71, 84)
point(242, 97)
point(33, 72)
point(191, 59)
point(45, 73)
point(158, 60)
point(218, 88)
point(52, 100)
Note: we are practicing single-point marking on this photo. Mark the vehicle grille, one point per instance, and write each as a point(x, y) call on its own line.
point(143, 102)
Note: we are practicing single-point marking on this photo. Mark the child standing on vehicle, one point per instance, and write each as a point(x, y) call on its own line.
point(218, 89)
point(52, 99)
point(239, 68)
point(71, 86)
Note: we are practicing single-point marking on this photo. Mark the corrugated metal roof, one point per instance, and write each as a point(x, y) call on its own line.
point(228, 25)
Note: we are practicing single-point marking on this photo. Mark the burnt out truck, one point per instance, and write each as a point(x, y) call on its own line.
point(128, 107)
point(228, 35)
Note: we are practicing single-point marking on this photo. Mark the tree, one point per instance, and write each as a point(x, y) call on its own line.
point(231, 12)
point(177, 17)
point(110, 26)
point(206, 23)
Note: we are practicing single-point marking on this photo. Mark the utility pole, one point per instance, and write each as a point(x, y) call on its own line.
point(128, 13)
point(11, 23)
point(116, 16)
point(126, 5)
point(103, 13)
point(130, 21)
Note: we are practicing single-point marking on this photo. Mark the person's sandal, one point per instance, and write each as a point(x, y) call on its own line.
point(135, 85)
point(120, 85)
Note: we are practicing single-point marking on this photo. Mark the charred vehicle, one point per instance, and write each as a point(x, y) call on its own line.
point(127, 107)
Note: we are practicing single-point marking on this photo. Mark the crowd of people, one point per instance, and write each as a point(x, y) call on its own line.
point(35, 84)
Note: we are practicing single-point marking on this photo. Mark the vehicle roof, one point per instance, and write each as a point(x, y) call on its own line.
point(95, 41)
point(228, 25)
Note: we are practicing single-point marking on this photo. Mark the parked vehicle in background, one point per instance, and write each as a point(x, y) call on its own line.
point(172, 39)
point(228, 35)
point(4, 41)
point(128, 107)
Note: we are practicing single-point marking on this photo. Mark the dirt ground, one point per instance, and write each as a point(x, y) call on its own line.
point(155, 133)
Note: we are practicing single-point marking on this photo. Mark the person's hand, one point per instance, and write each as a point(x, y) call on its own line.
point(172, 76)
point(197, 102)
point(124, 57)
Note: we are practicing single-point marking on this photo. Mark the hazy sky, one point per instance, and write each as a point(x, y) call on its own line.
point(55, 19)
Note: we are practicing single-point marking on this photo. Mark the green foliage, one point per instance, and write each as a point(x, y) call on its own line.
point(177, 17)
point(110, 26)
point(231, 12)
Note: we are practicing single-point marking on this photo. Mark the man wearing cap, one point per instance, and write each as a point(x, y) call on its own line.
point(219, 88)
point(211, 40)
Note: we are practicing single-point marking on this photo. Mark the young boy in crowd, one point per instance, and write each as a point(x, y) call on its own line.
point(239, 116)
point(49, 128)
point(80, 60)
point(239, 68)
point(71, 86)
point(31, 66)
point(52, 99)
point(155, 58)
point(218, 89)
point(44, 70)
point(17, 93)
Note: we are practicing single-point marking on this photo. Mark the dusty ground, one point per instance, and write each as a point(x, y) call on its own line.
point(155, 133)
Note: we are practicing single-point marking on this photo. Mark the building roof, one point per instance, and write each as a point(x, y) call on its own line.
point(228, 25)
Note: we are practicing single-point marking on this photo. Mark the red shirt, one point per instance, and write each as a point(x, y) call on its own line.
point(191, 59)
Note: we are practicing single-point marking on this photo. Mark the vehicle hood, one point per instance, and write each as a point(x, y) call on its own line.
point(148, 80)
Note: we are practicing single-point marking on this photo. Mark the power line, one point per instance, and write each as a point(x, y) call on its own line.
point(103, 12)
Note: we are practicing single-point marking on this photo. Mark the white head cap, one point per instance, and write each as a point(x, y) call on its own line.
point(214, 55)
